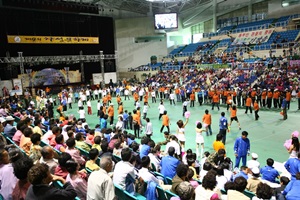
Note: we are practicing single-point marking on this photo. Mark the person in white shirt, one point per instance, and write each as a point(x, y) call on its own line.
point(149, 128)
point(126, 94)
point(69, 101)
point(145, 110)
point(153, 96)
point(124, 173)
point(137, 105)
point(172, 98)
point(83, 98)
point(96, 94)
point(155, 157)
point(173, 143)
point(81, 113)
point(100, 185)
point(161, 109)
point(144, 171)
point(141, 94)
point(80, 103)
point(253, 163)
point(87, 93)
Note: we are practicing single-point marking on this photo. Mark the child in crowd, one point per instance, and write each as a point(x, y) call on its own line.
point(191, 164)
point(90, 137)
point(190, 176)
point(97, 141)
point(75, 153)
point(91, 163)
point(60, 146)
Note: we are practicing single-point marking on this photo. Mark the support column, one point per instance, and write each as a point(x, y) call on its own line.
point(116, 63)
point(250, 11)
point(102, 68)
point(82, 67)
point(21, 62)
point(214, 16)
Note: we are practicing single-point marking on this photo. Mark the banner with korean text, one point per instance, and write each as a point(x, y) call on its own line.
point(23, 39)
point(253, 37)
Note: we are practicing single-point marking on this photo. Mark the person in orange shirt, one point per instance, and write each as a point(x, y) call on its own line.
point(276, 95)
point(108, 96)
point(206, 119)
point(288, 98)
point(256, 109)
point(165, 122)
point(104, 99)
point(233, 116)
point(264, 97)
point(119, 99)
point(104, 108)
point(248, 104)
point(120, 109)
point(234, 94)
point(215, 102)
point(253, 94)
point(229, 101)
point(146, 98)
point(192, 98)
point(110, 112)
point(136, 97)
point(136, 121)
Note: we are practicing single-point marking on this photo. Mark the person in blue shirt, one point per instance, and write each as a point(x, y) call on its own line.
point(293, 166)
point(200, 97)
point(125, 119)
point(268, 172)
point(103, 122)
point(223, 124)
point(169, 164)
point(283, 107)
point(241, 149)
point(291, 191)
point(145, 149)
point(244, 170)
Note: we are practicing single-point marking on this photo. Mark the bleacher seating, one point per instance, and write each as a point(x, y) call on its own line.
point(10, 141)
point(252, 26)
point(59, 185)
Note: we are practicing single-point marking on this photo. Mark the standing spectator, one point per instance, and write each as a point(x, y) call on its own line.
point(284, 109)
point(291, 191)
point(241, 149)
point(293, 166)
point(268, 172)
point(223, 124)
point(101, 179)
point(40, 178)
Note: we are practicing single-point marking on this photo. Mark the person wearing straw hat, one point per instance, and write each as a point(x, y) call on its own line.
point(9, 129)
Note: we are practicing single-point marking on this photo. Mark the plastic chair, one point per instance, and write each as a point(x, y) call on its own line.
point(119, 192)
point(118, 158)
point(249, 194)
point(161, 193)
point(170, 194)
point(168, 180)
point(13, 143)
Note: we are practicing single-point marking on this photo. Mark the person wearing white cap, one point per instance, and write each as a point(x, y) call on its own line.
point(9, 129)
point(253, 163)
point(253, 182)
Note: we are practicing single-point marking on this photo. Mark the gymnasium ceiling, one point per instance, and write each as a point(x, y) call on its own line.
point(190, 11)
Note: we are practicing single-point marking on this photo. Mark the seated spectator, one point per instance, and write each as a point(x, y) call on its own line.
point(48, 158)
point(60, 146)
point(9, 129)
point(192, 181)
point(253, 182)
point(25, 142)
point(105, 152)
point(37, 127)
point(243, 172)
point(144, 171)
point(291, 191)
point(208, 188)
point(268, 172)
point(124, 173)
point(21, 168)
point(216, 158)
point(191, 164)
point(154, 156)
point(91, 164)
point(206, 167)
point(240, 184)
point(117, 149)
point(78, 179)
point(169, 163)
point(7, 177)
point(101, 179)
point(173, 143)
point(80, 142)
point(227, 173)
point(264, 192)
point(221, 179)
point(35, 149)
point(97, 142)
point(253, 163)
point(90, 137)
point(39, 176)
point(61, 170)
point(20, 129)
point(283, 183)
point(185, 191)
point(145, 148)
point(75, 153)
point(55, 132)
point(181, 175)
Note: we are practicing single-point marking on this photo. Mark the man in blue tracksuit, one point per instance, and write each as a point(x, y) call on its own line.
point(292, 165)
point(291, 191)
point(241, 149)
point(223, 124)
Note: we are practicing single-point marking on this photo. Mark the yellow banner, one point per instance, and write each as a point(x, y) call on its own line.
point(22, 39)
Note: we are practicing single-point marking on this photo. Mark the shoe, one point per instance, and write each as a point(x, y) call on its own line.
point(240, 128)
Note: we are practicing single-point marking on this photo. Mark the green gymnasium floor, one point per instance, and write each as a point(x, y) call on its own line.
point(266, 135)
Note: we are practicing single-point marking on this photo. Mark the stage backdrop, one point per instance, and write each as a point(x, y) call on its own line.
point(97, 77)
point(50, 76)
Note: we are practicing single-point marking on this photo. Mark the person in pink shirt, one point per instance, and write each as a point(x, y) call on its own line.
point(75, 153)
point(61, 170)
point(20, 128)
